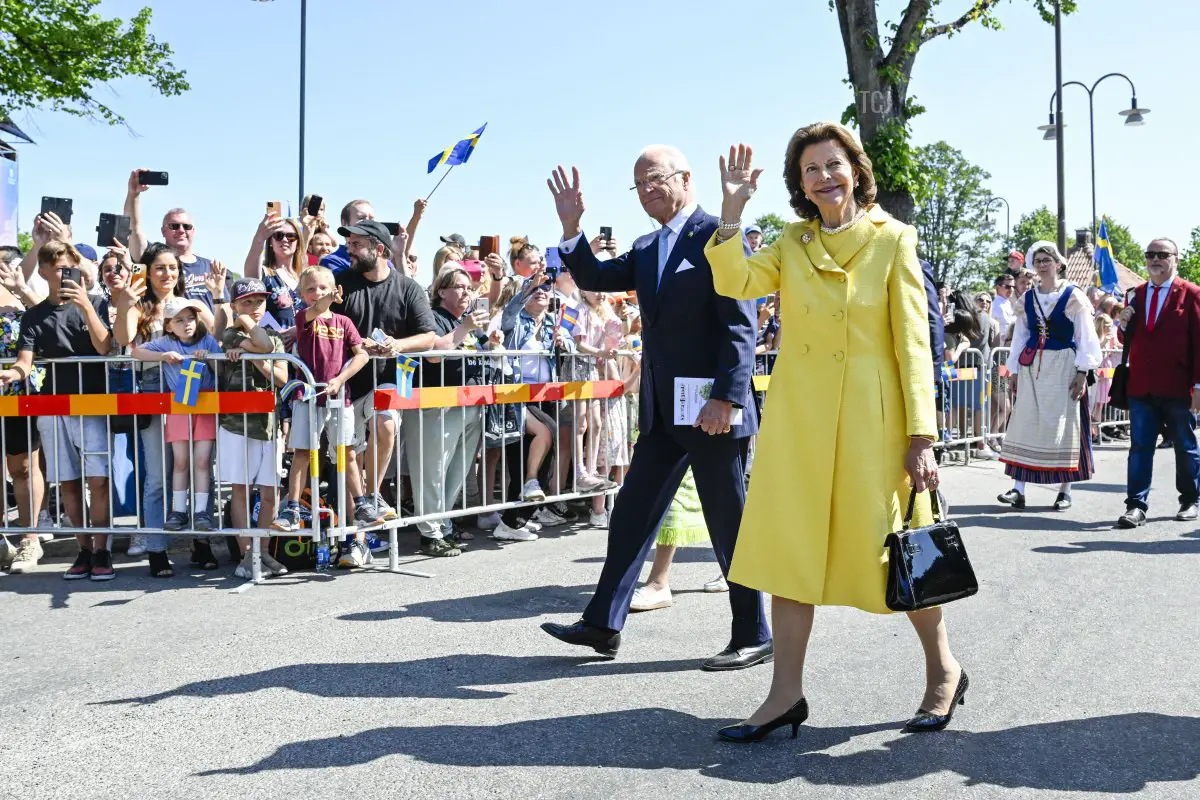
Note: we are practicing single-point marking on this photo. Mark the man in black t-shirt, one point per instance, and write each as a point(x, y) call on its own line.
point(69, 323)
point(391, 311)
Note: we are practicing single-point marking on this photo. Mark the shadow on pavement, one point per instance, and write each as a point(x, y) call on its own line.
point(700, 554)
point(1188, 545)
point(533, 601)
point(443, 677)
point(1031, 519)
point(1114, 754)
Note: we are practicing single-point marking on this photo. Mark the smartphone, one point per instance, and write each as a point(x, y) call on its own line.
point(606, 232)
point(392, 227)
point(378, 336)
point(138, 275)
point(72, 274)
point(481, 304)
point(112, 226)
point(555, 305)
point(152, 178)
point(488, 245)
point(553, 261)
point(60, 206)
point(275, 207)
point(314, 205)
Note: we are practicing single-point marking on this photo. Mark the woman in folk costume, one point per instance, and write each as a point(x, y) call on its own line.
point(1054, 347)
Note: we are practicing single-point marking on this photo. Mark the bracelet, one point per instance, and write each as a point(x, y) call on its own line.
point(220, 301)
point(730, 226)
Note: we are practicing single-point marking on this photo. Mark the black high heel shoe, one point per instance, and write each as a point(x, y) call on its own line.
point(926, 722)
point(744, 733)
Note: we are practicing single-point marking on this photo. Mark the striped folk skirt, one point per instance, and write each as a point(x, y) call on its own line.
point(1049, 434)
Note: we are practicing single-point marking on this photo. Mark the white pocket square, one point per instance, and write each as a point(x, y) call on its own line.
point(684, 266)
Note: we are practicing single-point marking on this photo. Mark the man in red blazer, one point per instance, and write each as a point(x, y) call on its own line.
point(1164, 381)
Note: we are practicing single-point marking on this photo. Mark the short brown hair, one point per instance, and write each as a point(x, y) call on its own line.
point(864, 192)
point(443, 281)
point(51, 251)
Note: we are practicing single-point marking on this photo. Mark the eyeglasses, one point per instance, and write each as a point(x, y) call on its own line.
point(1044, 262)
point(281, 236)
point(187, 226)
point(654, 181)
point(1161, 255)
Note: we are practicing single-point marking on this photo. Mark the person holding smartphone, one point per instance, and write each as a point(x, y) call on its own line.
point(70, 323)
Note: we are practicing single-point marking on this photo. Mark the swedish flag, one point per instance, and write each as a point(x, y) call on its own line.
point(191, 373)
point(406, 368)
point(1106, 265)
point(457, 153)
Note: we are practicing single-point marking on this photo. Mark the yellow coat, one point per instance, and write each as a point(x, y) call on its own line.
point(854, 379)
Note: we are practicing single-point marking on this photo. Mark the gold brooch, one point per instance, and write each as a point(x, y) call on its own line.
point(807, 237)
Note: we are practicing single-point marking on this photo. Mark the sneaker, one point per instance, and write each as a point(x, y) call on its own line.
point(82, 567)
point(377, 544)
point(567, 514)
point(548, 518)
point(530, 525)
point(986, 453)
point(532, 491)
point(176, 521)
point(102, 568)
point(487, 521)
point(28, 554)
point(367, 514)
point(203, 522)
point(507, 534)
point(356, 555)
point(288, 519)
point(7, 552)
point(717, 584)
point(137, 546)
point(647, 599)
point(438, 547)
point(386, 512)
point(598, 519)
point(591, 483)
point(44, 521)
point(245, 569)
point(454, 534)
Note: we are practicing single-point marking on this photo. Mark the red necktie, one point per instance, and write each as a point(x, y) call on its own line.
point(1151, 310)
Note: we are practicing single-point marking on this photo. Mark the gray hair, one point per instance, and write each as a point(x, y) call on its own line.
point(175, 211)
point(1167, 239)
point(10, 254)
point(672, 155)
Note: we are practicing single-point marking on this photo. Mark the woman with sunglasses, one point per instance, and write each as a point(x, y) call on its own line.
point(282, 261)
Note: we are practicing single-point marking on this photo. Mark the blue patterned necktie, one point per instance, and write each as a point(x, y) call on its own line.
point(663, 252)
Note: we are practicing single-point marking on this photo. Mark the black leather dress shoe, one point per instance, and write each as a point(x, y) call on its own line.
point(746, 733)
point(1012, 498)
point(740, 657)
point(1187, 512)
point(927, 722)
point(602, 640)
point(1062, 502)
point(1132, 518)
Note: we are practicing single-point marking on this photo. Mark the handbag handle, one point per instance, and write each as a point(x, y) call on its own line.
point(912, 501)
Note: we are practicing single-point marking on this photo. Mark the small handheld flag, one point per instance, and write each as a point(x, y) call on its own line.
point(191, 373)
point(570, 319)
point(457, 153)
point(405, 369)
point(300, 388)
point(635, 343)
point(1106, 265)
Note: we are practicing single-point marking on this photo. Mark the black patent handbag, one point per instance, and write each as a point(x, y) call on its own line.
point(927, 566)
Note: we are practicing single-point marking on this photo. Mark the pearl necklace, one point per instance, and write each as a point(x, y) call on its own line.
point(840, 228)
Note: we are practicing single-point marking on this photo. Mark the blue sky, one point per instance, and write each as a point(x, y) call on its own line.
point(391, 84)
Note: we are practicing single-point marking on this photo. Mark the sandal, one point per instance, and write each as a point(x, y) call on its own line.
point(202, 555)
point(160, 566)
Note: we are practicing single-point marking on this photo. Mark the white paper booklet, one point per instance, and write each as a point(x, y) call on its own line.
point(690, 396)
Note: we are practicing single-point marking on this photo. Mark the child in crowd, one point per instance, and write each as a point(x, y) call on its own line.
point(332, 348)
point(70, 323)
point(246, 445)
point(1106, 332)
point(186, 337)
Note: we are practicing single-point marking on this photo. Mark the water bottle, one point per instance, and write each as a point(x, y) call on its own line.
point(323, 556)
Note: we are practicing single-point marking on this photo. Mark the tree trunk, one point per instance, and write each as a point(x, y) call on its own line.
point(899, 204)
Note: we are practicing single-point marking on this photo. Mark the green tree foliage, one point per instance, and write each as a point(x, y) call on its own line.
point(772, 226)
point(24, 241)
point(954, 230)
point(1039, 224)
point(1189, 258)
point(58, 53)
point(879, 61)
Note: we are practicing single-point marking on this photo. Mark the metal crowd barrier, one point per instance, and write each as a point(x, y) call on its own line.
point(443, 431)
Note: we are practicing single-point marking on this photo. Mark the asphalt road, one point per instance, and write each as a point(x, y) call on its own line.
point(1082, 648)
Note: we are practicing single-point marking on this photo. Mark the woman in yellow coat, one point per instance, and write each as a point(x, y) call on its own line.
point(849, 411)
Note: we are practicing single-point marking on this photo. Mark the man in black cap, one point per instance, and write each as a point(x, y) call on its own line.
point(392, 313)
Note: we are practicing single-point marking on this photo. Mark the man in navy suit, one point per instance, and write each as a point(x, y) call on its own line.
point(688, 331)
